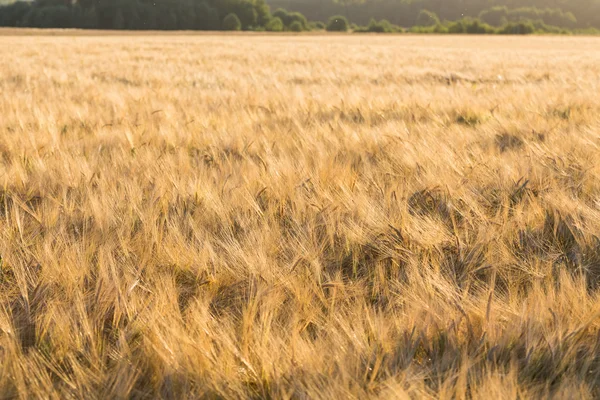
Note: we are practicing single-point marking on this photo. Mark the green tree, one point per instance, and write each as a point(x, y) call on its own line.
point(246, 13)
point(297, 17)
point(282, 14)
point(274, 25)
point(288, 18)
point(317, 25)
point(14, 14)
point(521, 28)
point(263, 12)
point(383, 26)
point(232, 23)
point(296, 26)
point(337, 23)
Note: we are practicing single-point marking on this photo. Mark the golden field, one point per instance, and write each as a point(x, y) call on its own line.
point(306, 217)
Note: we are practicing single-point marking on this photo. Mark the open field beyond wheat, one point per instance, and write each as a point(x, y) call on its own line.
point(299, 217)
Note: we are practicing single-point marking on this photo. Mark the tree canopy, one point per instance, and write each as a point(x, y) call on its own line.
point(481, 16)
point(139, 14)
point(562, 13)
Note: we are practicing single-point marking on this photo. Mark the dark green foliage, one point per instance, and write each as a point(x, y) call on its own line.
point(54, 16)
point(500, 16)
point(476, 26)
point(85, 18)
point(13, 14)
point(521, 28)
point(207, 17)
point(570, 14)
point(232, 23)
point(374, 27)
point(118, 21)
point(282, 14)
point(457, 27)
point(296, 26)
point(263, 12)
point(383, 26)
point(439, 28)
point(138, 14)
point(274, 25)
point(246, 14)
point(470, 25)
point(318, 25)
point(57, 17)
point(337, 23)
point(460, 16)
point(289, 18)
point(297, 17)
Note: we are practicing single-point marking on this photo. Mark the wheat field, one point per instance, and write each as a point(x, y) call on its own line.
point(302, 217)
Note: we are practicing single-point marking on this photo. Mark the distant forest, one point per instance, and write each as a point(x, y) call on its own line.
point(424, 16)
point(562, 13)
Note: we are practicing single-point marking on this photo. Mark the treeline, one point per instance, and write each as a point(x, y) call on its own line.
point(501, 15)
point(139, 14)
point(571, 14)
point(429, 22)
point(256, 15)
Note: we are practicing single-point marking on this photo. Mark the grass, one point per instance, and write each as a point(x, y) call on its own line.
point(299, 217)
